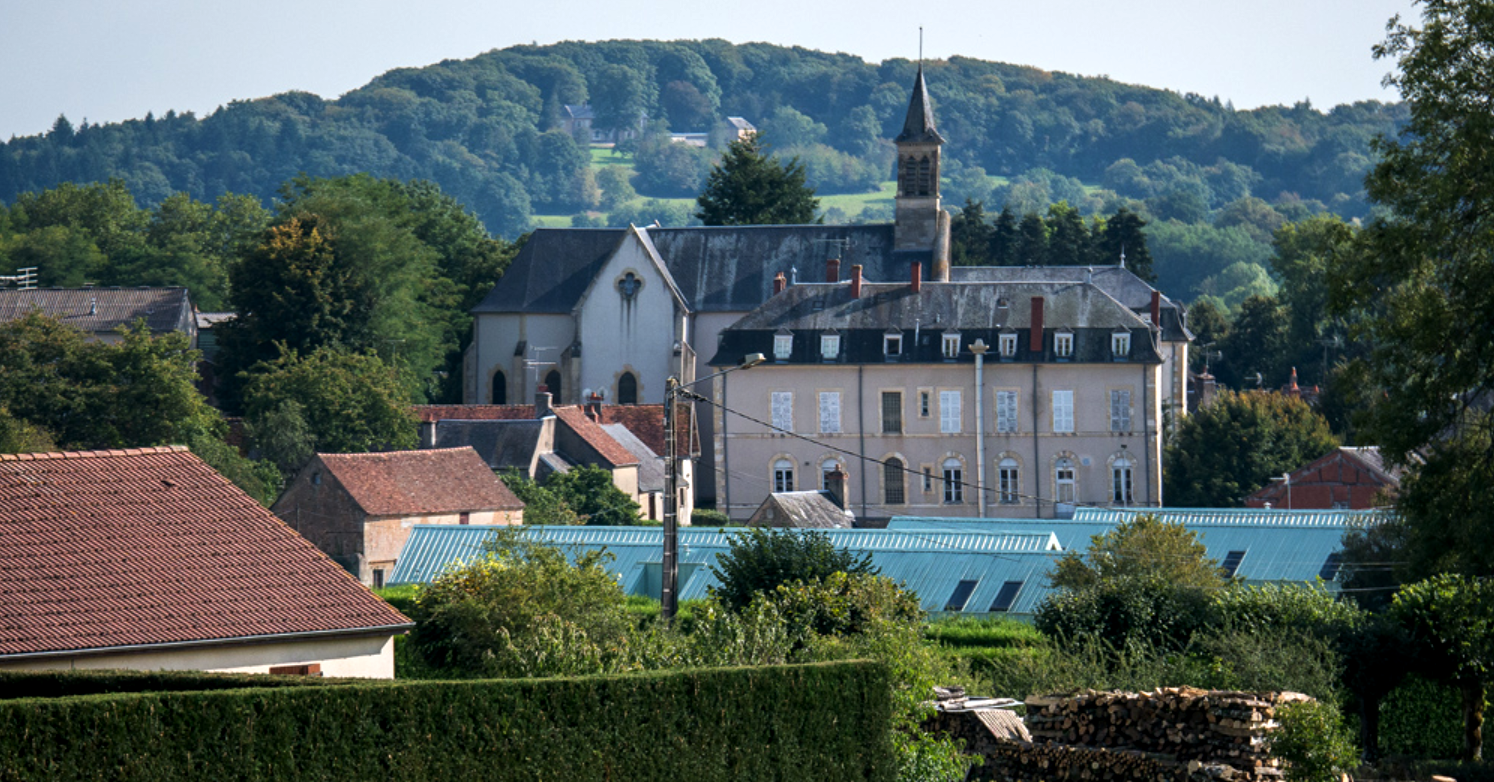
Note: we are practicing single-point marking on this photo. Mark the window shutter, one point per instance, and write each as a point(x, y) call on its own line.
point(1006, 411)
point(949, 412)
point(830, 412)
point(1063, 411)
point(783, 410)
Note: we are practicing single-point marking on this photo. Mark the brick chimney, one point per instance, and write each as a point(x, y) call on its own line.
point(835, 484)
point(1157, 309)
point(856, 281)
point(541, 401)
point(832, 270)
point(917, 276)
point(594, 407)
point(779, 283)
point(1035, 341)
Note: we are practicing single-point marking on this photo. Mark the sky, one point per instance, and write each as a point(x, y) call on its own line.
point(110, 60)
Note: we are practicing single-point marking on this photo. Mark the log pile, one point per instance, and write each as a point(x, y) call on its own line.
point(1175, 734)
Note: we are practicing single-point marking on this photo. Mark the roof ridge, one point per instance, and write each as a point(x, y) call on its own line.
point(97, 454)
point(396, 452)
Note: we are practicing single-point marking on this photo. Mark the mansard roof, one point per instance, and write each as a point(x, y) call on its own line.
point(919, 124)
point(716, 269)
point(977, 310)
point(1120, 283)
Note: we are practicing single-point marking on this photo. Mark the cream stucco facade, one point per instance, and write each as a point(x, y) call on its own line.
point(368, 656)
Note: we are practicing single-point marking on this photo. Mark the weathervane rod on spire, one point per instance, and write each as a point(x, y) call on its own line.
point(920, 46)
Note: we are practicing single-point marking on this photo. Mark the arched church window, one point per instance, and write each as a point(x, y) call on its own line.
point(500, 389)
point(627, 389)
point(552, 384)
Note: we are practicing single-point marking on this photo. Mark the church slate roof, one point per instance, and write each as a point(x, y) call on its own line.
point(717, 269)
point(919, 124)
point(975, 309)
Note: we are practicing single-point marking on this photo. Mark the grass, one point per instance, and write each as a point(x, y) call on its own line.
point(986, 633)
point(853, 203)
point(603, 156)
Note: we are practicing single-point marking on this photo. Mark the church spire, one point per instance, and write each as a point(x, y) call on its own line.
point(919, 125)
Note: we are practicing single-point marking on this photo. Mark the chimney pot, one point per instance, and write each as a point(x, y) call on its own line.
point(779, 283)
point(1035, 342)
point(856, 281)
point(832, 270)
point(917, 276)
point(835, 483)
point(541, 401)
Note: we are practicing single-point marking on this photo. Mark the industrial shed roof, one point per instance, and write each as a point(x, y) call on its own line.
point(932, 564)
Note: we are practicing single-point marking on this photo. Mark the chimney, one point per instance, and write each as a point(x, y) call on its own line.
point(1035, 342)
point(594, 407)
point(835, 484)
point(1157, 309)
point(779, 283)
point(856, 281)
point(541, 401)
point(917, 277)
point(832, 270)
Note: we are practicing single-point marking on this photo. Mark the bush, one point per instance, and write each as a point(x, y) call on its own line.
point(761, 560)
point(1126, 611)
point(1421, 718)
point(1314, 742)
point(704, 517)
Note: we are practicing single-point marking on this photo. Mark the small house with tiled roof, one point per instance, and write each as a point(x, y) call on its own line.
point(99, 312)
point(148, 559)
point(359, 507)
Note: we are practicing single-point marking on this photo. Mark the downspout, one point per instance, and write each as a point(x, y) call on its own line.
point(979, 349)
point(1037, 475)
point(1146, 437)
point(725, 477)
point(861, 431)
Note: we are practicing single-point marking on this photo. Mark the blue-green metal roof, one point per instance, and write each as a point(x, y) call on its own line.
point(931, 563)
point(1279, 545)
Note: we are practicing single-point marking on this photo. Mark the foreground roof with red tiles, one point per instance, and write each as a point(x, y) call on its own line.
point(429, 413)
point(108, 549)
point(397, 483)
point(594, 435)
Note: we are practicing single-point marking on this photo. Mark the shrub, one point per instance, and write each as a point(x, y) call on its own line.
point(761, 560)
point(1314, 742)
point(1126, 611)
point(704, 517)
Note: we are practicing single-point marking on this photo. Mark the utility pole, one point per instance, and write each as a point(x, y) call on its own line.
point(670, 566)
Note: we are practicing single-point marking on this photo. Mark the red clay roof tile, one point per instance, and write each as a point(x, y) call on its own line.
point(104, 549)
point(398, 483)
point(595, 436)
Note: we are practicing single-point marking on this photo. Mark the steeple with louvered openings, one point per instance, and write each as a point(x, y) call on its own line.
point(921, 225)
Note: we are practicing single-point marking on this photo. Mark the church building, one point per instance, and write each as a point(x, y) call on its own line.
point(614, 312)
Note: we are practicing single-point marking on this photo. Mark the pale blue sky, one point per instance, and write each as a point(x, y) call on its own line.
point(108, 60)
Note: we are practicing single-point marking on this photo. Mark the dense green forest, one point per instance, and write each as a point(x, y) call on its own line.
point(488, 131)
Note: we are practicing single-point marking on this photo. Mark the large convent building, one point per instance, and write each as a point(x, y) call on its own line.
point(1011, 391)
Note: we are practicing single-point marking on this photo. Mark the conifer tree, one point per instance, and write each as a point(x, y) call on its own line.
point(750, 188)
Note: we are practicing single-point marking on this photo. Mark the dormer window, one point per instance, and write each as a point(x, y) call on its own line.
point(1007, 345)
point(951, 344)
point(1063, 344)
point(892, 345)
point(830, 346)
point(1120, 344)
point(783, 345)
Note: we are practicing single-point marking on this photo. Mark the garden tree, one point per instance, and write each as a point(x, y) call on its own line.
point(1257, 344)
point(589, 491)
point(1143, 546)
point(1236, 445)
point(1123, 234)
point(970, 237)
point(1210, 327)
point(1450, 620)
point(1004, 240)
point(761, 560)
point(1421, 290)
point(349, 402)
point(1032, 241)
point(58, 390)
point(1314, 743)
point(524, 610)
point(542, 506)
point(617, 187)
point(1304, 253)
point(747, 187)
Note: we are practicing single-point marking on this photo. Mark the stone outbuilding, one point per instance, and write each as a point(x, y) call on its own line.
point(359, 507)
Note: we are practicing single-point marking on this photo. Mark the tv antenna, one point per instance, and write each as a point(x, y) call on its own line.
point(24, 278)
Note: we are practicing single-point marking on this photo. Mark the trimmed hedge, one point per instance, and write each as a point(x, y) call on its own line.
point(64, 684)
point(824, 722)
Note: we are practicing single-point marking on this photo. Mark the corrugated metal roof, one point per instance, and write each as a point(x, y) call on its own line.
point(1254, 517)
point(929, 564)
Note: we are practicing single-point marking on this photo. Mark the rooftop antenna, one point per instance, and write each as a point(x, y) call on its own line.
point(841, 245)
point(24, 278)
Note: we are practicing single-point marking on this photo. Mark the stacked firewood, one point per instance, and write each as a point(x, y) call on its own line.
point(1017, 762)
point(1189, 730)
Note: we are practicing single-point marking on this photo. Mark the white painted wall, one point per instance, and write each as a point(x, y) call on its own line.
point(498, 334)
point(365, 657)
point(618, 334)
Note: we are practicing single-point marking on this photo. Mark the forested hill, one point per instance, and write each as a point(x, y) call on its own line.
point(487, 130)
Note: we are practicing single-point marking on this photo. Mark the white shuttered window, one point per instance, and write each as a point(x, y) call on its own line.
point(1120, 411)
point(1063, 411)
point(949, 412)
point(1006, 412)
point(830, 412)
point(783, 410)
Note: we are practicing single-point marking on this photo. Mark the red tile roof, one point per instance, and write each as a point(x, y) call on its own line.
point(646, 422)
point(429, 413)
point(595, 436)
point(399, 483)
point(104, 549)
